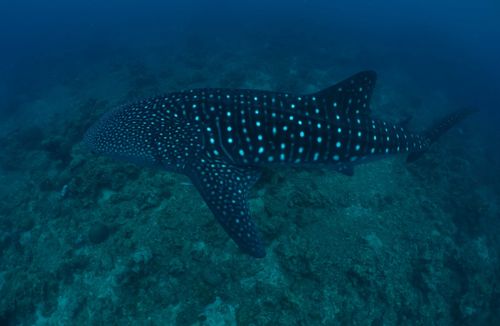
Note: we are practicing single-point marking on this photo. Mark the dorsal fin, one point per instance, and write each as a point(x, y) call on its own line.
point(352, 95)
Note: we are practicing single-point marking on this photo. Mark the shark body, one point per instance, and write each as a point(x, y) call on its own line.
point(221, 138)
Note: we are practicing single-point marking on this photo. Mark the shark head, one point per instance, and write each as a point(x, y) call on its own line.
point(120, 134)
point(145, 133)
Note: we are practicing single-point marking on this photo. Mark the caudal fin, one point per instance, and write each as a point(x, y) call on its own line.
point(440, 127)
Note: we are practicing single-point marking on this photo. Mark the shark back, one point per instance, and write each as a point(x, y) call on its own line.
point(259, 128)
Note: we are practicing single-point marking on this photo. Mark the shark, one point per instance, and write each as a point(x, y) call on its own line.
point(223, 138)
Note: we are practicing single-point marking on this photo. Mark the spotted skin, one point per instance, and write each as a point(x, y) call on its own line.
point(221, 138)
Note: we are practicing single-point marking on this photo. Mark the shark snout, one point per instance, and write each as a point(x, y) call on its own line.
point(89, 140)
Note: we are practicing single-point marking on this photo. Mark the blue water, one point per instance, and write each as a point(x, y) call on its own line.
point(62, 64)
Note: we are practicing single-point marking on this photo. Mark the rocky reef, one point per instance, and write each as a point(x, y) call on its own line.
point(87, 240)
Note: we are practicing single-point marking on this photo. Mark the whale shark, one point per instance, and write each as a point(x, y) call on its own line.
point(223, 138)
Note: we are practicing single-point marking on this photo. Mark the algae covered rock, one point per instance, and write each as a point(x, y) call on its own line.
point(99, 233)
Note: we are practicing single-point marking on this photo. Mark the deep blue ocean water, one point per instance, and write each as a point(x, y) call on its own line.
point(62, 64)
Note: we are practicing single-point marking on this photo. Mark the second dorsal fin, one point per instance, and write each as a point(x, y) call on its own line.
point(352, 95)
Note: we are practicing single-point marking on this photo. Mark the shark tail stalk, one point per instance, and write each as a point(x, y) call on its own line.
point(433, 133)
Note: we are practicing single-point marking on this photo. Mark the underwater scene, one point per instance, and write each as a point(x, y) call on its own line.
point(250, 162)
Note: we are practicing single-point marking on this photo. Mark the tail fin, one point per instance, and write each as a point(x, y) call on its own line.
point(440, 127)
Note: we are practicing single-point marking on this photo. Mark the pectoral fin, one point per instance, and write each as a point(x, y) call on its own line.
point(224, 187)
